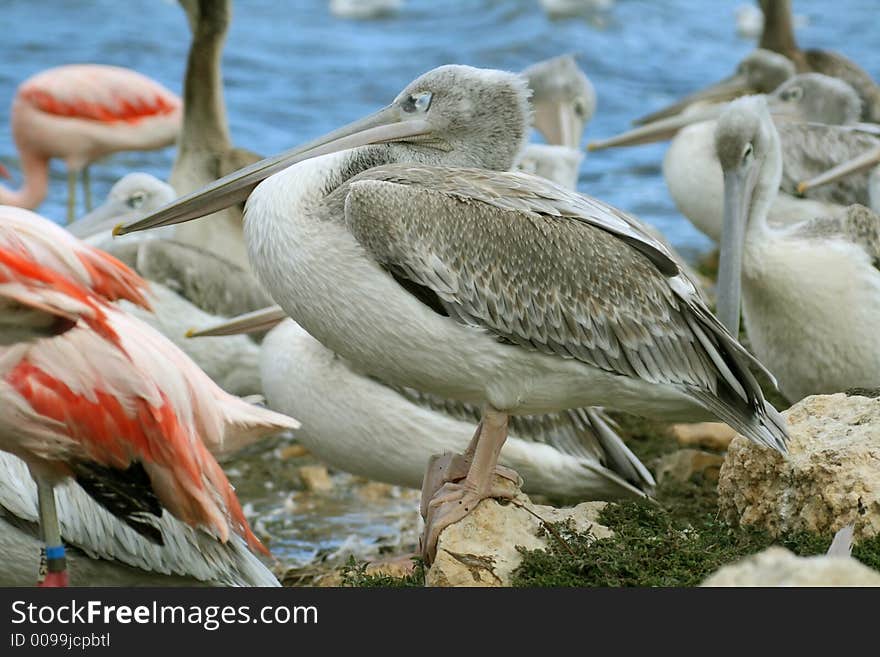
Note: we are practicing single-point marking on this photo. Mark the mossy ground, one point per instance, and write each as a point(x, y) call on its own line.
point(677, 541)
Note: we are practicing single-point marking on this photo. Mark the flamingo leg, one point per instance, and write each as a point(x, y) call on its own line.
point(71, 196)
point(87, 188)
point(53, 565)
point(454, 500)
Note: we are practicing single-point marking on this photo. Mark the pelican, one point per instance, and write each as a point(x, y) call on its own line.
point(810, 291)
point(802, 106)
point(189, 286)
point(405, 245)
point(868, 160)
point(563, 102)
point(778, 36)
point(103, 551)
point(760, 72)
point(778, 58)
point(132, 196)
point(356, 423)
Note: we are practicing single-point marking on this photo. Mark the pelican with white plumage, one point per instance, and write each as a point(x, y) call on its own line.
point(563, 101)
point(867, 161)
point(354, 422)
point(810, 291)
point(804, 108)
point(405, 245)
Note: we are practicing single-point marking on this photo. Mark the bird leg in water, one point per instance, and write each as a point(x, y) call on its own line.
point(53, 565)
point(87, 188)
point(448, 467)
point(455, 499)
point(71, 196)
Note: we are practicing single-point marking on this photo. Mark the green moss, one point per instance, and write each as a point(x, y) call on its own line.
point(355, 574)
point(678, 542)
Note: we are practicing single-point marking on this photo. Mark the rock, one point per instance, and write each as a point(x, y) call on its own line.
point(685, 463)
point(480, 550)
point(830, 478)
point(315, 478)
point(776, 566)
point(293, 452)
point(375, 491)
point(709, 435)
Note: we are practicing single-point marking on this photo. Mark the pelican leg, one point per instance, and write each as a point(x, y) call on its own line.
point(448, 467)
point(71, 196)
point(454, 500)
point(53, 565)
point(87, 188)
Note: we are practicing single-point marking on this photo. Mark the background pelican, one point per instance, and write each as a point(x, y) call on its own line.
point(802, 107)
point(80, 113)
point(810, 291)
point(496, 288)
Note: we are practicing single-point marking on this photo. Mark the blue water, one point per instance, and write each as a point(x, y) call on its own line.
point(294, 71)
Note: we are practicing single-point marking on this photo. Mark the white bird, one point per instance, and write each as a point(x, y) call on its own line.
point(808, 109)
point(869, 160)
point(810, 291)
point(568, 8)
point(364, 9)
point(491, 287)
point(354, 422)
point(104, 551)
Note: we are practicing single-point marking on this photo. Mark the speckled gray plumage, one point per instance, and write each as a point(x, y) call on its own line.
point(858, 225)
point(542, 268)
point(206, 280)
point(809, 149)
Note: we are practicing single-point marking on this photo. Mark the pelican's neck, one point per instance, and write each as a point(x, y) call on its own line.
point(766, 190)
point(35, 171)
point(778, 33)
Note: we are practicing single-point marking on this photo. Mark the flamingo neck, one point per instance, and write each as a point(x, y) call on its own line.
point(35, 171)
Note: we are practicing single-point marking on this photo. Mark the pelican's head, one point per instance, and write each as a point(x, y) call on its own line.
point(451, 115)
point(563, 100)
point(817, 98)
point(749, 152)
point(760, 72)
point(465, 116)
point(133, 196)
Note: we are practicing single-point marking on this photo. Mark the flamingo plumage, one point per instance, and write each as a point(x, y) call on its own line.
point(80, 113)
point(109, 401)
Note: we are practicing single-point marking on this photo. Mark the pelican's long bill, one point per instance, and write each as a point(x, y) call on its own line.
point(257, 320)
point(860, 163)
point(721, 92)
point(387, 125)
point(738, 188)
point(666, 128)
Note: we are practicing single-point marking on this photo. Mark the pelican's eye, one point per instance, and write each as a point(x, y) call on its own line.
point(580, 109)
point(417, 102)
point(136, 200)
point(748, 151)
point(792, 94)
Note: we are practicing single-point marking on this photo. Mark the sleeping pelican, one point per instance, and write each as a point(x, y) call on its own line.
point(869, 160)
point(810, 291)
point(802, 107)
point(405, 245)
point(563, 102)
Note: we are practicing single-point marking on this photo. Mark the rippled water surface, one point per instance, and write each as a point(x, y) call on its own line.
point(294, 71)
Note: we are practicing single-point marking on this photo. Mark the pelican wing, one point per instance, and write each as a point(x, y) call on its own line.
point(552, 271)
point(858, 225)
point(809, 149)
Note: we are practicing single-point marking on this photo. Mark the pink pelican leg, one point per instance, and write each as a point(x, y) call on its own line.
point(80, 113)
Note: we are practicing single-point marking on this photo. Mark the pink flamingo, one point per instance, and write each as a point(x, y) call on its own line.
point(89, 392)
point(81, 113)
